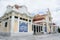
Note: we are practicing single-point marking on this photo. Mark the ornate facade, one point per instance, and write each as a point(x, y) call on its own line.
point(17, 20)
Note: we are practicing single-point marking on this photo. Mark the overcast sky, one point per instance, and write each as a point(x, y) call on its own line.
point(34, 6)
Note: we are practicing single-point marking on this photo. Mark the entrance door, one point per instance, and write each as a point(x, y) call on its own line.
point(23, 27)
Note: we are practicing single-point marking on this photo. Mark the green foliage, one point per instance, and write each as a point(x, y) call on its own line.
point(58, 29)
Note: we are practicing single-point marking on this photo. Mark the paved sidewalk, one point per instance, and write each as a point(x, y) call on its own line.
point(33, 37)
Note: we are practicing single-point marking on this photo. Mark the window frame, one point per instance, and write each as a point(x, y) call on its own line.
point(16, 17)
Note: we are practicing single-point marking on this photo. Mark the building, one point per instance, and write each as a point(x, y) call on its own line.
point(54, 28)
point(17, 20)
point(43, 23)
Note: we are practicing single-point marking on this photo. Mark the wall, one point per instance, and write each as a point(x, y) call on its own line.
point(3, 28)
point(16, 22)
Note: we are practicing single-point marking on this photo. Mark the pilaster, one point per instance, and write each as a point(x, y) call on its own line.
point(12, 23)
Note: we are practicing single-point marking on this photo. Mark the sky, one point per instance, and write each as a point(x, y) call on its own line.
point(35, 6)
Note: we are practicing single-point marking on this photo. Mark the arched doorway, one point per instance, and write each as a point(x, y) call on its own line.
point(23, 27)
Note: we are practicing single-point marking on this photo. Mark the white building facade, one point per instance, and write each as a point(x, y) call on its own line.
point(17, 20)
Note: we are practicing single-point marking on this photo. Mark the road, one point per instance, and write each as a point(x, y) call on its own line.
point(33, 37)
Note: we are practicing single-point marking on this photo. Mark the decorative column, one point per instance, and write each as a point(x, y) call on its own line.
point(18, 24)
point(38, 28)
point(12, 23)
point(52, 29)
point(28, 25)
point(31, 23)
point(43, 27)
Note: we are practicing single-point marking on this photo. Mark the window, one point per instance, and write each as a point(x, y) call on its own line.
point(16, 17)
point(20, 18)
point(5, 24)
point(23, 18)
point(26, 19)
point(29, 20)
point(6, 18)
point(10, 17)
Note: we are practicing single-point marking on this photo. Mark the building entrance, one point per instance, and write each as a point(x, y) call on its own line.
point(36, 29)
point(23, 27)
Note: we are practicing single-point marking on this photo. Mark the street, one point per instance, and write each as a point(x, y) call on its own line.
point(34, 37)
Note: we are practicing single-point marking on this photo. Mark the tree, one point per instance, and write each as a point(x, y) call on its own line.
point(58, 29)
